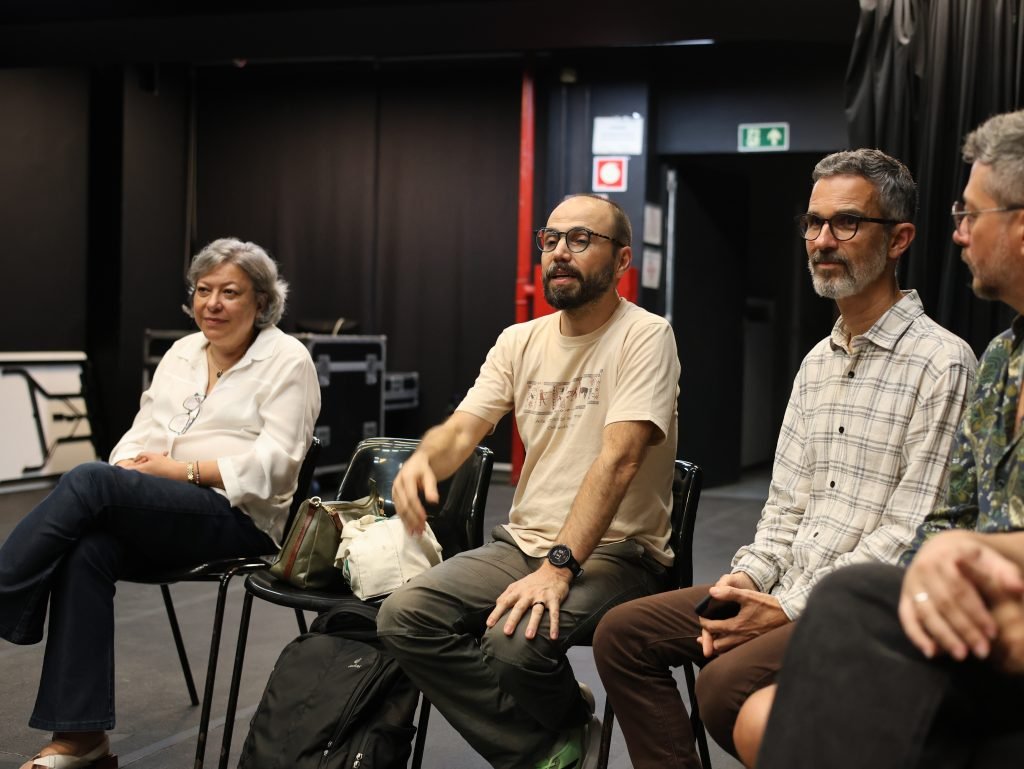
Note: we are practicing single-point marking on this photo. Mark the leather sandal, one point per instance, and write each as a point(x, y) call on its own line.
point(97, 758)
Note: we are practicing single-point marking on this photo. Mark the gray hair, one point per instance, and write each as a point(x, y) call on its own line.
point(999, 144)
point(255, 262)
point(897, 190)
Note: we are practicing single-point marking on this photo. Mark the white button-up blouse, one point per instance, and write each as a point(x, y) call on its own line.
point(256, 422)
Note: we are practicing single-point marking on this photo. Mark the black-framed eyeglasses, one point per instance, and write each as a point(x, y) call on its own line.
point(577, 239)
point(843, 226)
point(960, 214)
point(181, 422)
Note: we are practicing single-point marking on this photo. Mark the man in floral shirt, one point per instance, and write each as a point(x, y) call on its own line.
point(921, 667)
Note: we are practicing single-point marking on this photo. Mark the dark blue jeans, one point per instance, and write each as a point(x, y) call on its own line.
point(854, 692)
point(98, 524)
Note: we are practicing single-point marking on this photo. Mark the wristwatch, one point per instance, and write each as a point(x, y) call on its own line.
point(561, 556)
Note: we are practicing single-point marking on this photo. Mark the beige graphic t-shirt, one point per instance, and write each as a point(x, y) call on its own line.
point(565, 390)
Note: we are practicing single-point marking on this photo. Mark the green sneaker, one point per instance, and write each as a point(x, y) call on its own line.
point(576, 749)
point(568, 751)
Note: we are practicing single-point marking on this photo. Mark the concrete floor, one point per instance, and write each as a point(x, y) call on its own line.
point(156, 727)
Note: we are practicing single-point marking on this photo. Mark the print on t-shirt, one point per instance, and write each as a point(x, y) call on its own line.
point(559, 403)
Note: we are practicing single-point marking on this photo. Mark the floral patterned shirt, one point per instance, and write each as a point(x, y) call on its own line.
point(986, 481)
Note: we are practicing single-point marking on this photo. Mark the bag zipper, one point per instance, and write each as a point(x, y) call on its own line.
point(334, 515)
point(343, 721)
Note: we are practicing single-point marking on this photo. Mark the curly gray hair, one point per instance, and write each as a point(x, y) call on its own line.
point(999, 144)
point(257, 264)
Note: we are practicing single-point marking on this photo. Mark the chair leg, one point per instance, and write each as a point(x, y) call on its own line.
point(607, 727)
point(186, 669)
point(236, 678)
point(421, 732)
point(301, 618)
point(211, 669)
point(695, 723)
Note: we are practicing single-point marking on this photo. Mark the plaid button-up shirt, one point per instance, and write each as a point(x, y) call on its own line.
point(863, 453)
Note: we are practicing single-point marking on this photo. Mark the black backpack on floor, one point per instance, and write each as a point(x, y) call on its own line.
point(335, 700)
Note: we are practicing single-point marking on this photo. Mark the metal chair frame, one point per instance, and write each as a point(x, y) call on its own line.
point(220, 571)
point(457, 523)
point(686, 487)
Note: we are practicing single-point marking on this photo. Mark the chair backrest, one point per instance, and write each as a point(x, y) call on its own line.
point(686, 482)
point(686, 485)
point(304, 481)
point(458, 520)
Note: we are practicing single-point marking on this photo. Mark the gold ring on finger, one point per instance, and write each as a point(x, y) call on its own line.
point(920, 597)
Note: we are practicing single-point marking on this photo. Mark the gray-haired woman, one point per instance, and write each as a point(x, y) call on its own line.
point(206, 471)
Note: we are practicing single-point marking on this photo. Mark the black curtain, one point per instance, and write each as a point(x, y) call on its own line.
point(387, 192)
point(286, 158)
point(44, 179)
point(922, 74)
point(449, 162)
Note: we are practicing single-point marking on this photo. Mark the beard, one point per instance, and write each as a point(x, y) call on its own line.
point(989, 281)
point(857, 277)
point(583, 291)
point(985, 290)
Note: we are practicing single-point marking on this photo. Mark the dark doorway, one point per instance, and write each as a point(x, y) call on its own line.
point(744, 310)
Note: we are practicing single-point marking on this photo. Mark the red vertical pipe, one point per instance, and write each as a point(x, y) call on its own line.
point(524, 244)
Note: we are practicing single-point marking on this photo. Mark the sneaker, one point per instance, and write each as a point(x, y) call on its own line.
point(568, 752)
point(579, 747)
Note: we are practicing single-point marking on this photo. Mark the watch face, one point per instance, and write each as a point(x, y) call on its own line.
point(559, 555)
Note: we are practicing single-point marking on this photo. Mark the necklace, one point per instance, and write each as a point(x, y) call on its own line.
point(218, 370)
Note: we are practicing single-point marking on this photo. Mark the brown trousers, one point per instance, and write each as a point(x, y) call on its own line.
point(636, 646)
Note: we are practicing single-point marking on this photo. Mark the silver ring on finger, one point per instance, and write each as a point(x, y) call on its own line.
point(920, 597)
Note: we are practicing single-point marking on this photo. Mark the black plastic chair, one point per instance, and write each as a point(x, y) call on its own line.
point(686, 487)
point(457, 522)
point(220, 571)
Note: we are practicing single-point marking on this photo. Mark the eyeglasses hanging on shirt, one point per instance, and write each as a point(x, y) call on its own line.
point(181, 422)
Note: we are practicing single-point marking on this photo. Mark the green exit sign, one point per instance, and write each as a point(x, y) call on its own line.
point(763, 137)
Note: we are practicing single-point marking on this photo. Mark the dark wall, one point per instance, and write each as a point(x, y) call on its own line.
point(154, 250)
point(286, 158)
point(570, 109)
point(388, 195)
point(706, 92)
point(744, 311)
point(43, 181)
point(92, 202)
point(448, 196)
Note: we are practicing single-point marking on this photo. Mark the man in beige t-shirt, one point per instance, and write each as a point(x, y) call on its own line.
point(594, 389)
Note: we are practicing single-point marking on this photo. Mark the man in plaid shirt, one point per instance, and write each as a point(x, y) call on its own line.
point(862, 456)
point(922, 666)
